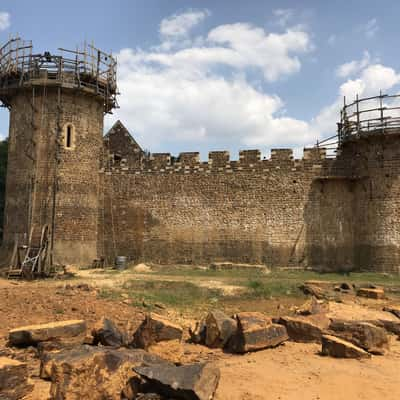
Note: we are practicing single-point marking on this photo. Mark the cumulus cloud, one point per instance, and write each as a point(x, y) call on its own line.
point(353, 67)
point(179, 25)
point(4, 20)
point(273, 53)
point(369, 81)
point(198, 92)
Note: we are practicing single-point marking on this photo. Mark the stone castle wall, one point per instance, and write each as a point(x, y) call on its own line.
point(250, 210)
point(333, 214)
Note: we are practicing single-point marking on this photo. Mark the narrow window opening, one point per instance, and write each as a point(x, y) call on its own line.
point(68, 142)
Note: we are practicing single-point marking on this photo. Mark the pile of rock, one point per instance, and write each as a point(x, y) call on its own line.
point(112, 363)
point(244, 332)
point(252, 331)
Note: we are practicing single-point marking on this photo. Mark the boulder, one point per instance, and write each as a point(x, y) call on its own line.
point(389, 325)
point(88, 372)
point(188, 382)
point(395, 310)
point(107, 334)
point(198, 332)
point(313, 306)
point(219, 329)
point(305, 329)
point(371, 293)
point(336, 347)
point(14, 382)
point(320, 289)
point(33, 334)
point(254, 332)
point(363, 334)
point(154, 329)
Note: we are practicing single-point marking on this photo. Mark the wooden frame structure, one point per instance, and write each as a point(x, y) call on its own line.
point(31, 260)
point(364, 116)
point(369, 115)
point(90, 70)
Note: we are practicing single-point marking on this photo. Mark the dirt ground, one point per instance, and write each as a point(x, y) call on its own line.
point(292, 371)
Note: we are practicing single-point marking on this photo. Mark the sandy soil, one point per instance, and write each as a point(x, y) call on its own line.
point(292, 371)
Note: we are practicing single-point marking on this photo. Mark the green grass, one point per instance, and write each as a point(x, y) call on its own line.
point(167, 293)
point(267, 289)
point(187, 294)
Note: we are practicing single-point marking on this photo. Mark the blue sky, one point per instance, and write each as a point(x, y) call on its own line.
point(228, 74)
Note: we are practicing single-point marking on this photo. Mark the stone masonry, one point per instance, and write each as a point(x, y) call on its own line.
point(329, 214)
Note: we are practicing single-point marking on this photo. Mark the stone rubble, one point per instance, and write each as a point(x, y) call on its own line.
point(189, 382)
point(33, 334)
point(154, 329)
point(362, 334)
point(254, 332)
point(335, 347)
point(305, 329)
point(371, 293)
point(14, 382)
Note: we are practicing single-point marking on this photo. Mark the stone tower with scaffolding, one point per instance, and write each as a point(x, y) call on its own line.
point(57, 104)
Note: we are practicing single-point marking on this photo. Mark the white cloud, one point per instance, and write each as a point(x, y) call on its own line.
point(370, 28)
point(199, 94)
point(178, 96)
point(273, 53)
point(369, 82)
point(4, 20)
point(353, 67)
point(283, 16)
point(179, 25)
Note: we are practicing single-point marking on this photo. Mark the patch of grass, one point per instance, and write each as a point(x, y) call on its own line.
point(109, 294)
point(176, 294)
point(271, 288)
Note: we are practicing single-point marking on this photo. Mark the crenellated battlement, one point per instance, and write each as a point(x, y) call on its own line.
point(219, 161)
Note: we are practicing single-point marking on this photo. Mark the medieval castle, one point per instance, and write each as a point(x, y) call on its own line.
point(105, 197)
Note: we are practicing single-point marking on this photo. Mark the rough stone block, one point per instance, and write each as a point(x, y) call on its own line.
point(219, 329)
point(336, 347)
point(363, 334)
point(254, 332)
point(371, 293)
point(33, 334)
point(154, 329)
point(188, 382)
point(301, 329)
point(13, 379)
point(88, 372)
point(107, 334)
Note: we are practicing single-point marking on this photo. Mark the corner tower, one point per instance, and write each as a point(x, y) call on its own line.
point(57, 104)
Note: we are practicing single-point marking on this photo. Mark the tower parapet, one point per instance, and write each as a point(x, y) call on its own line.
point(89, 70)
point(369, 116)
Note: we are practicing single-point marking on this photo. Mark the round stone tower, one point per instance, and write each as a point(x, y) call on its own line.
point(57, 104)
